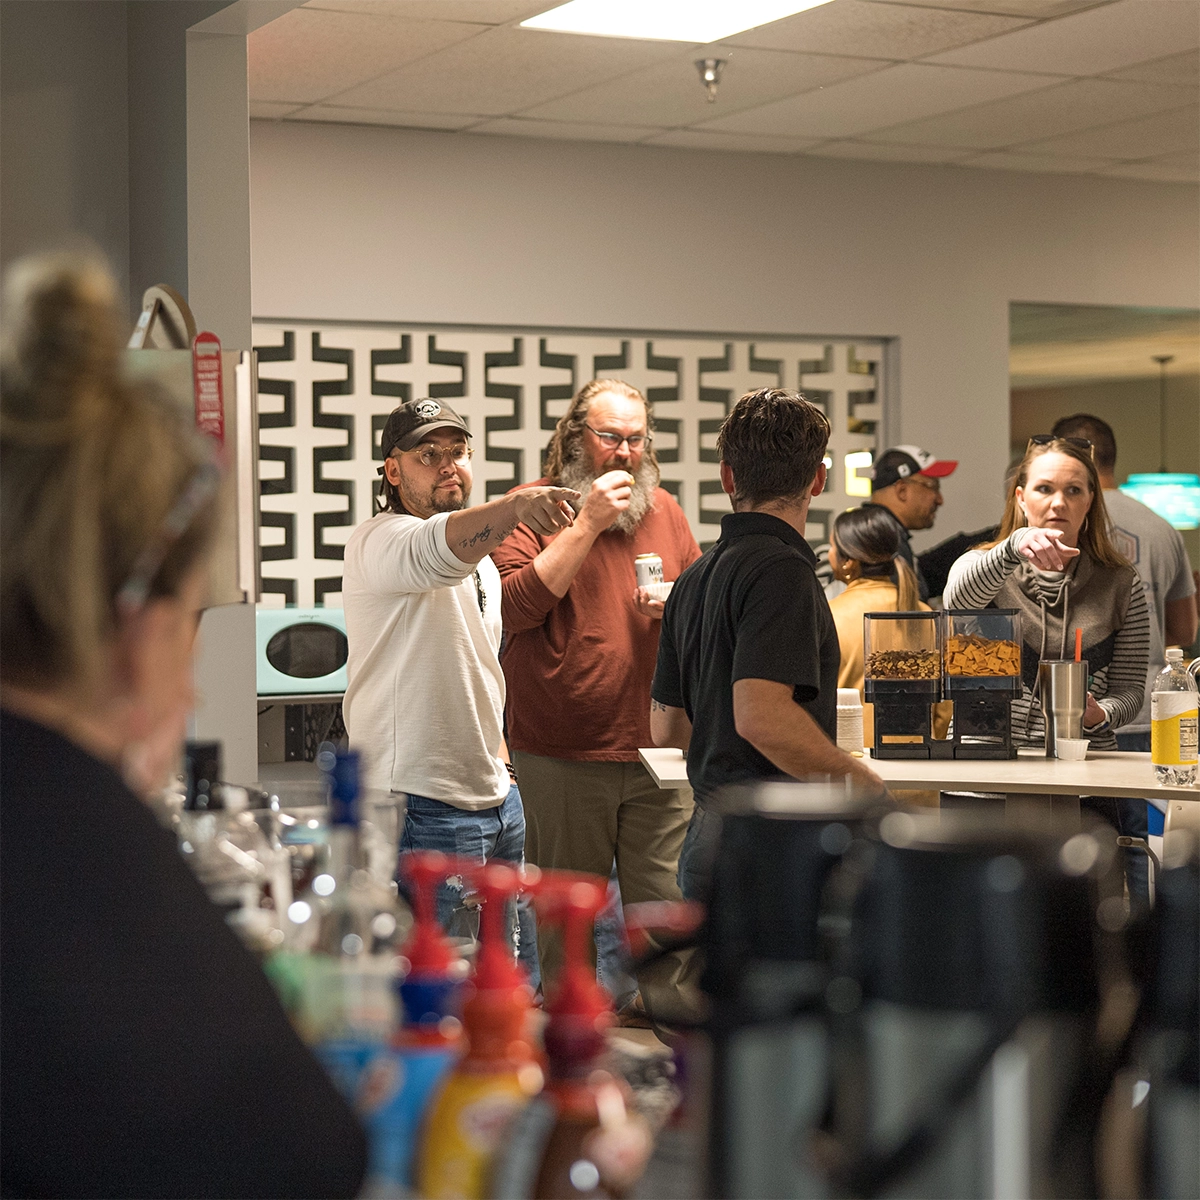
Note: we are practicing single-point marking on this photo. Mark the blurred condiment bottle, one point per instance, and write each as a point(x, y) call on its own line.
point(498, 1074)
point(398, 1085)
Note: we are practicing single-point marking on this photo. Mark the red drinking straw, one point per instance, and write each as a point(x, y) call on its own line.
point(1078, 645)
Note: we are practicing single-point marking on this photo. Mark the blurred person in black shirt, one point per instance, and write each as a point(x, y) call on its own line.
point(142, 1050)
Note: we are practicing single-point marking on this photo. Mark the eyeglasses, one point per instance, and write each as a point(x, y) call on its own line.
point(1046, 439)
point(135, 591)
point(610, 441)
point(931, 485)
point(430, 455)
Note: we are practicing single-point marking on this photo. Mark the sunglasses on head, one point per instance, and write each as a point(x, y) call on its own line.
point(1046, 439)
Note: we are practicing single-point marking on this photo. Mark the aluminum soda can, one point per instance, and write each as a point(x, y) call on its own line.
point(649, 569)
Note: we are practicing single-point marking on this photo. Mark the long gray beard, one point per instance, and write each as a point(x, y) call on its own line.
point(578, 475)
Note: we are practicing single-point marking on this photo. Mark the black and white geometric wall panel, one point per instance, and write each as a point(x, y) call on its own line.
point(325, 391)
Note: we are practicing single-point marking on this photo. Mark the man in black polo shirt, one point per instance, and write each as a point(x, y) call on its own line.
point(746, 680)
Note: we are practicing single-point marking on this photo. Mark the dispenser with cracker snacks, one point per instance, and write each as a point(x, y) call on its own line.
point(983, 677)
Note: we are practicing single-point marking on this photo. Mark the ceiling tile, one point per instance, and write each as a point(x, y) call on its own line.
point(1160, 133)
point(1161, 171)
point(896, 94)
point(310, 54)
point(878, 153)
point(1092, 42)
point(698, 139)
point(670, 92)
point(859, 28)
point(562, 130)
point(1047, 163)
point(1063, 108)
point(482, 12)
point(374, 116)
point(506, 70)
point(261, 110)
point(1175, 68)
point(1039, 10)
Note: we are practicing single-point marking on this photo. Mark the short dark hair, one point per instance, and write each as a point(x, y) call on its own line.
point(774, 441)
point(1098, 432)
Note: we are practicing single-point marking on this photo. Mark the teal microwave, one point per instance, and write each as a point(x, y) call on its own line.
point(301, 651)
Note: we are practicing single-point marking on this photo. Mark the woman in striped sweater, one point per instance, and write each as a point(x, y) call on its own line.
point(1055, 563)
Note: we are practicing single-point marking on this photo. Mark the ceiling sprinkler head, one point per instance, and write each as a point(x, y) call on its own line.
point(710, 75)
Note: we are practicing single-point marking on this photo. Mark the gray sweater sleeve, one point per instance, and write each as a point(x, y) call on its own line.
point(977, 576)
point(1131, 654)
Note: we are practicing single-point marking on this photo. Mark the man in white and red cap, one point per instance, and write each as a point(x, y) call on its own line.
point(906, 480)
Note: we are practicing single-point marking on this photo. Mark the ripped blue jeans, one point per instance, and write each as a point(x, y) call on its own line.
point(480, 836)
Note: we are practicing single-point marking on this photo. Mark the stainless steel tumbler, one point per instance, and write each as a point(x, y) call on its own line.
point(1062, 689)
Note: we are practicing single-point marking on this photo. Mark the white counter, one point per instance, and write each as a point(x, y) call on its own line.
point(1103, 773)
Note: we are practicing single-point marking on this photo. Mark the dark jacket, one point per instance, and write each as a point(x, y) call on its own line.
point(142, 1050)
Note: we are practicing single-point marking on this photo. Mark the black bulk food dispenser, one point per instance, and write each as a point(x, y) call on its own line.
point(902, 654)
point(982, 653)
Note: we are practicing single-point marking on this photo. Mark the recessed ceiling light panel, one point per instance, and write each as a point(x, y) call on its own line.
point(698, 21)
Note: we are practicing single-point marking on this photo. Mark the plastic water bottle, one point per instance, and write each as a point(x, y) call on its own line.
point(1174, 723)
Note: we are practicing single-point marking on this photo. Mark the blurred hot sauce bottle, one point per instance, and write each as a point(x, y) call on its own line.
point(578, 1138)
point(498, 1075)
point(400, 1082)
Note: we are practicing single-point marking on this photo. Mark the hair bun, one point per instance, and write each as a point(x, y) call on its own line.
point(61, 342)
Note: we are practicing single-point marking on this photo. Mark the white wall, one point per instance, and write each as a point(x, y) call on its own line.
point(63, 138)
point(355, 223)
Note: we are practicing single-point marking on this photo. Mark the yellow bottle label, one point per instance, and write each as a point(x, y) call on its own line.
point(463, 1131)
point(1174, 726)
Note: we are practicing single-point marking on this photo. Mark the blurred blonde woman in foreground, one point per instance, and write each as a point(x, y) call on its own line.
point(142, 1051)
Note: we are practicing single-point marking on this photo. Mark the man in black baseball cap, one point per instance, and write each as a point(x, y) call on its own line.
point(424, 699)
point(408, 424)
point(906, 480)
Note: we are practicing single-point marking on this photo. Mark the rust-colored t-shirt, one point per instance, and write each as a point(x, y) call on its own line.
point(578, 669)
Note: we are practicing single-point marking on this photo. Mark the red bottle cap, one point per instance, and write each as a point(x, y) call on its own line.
point(496, 1014)
point(580, 1009)
point(495, 964)
point(427, 950)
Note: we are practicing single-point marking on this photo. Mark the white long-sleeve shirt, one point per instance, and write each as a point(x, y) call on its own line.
point(425, 698)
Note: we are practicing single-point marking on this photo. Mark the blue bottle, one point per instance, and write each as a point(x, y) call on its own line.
point(400, 1082)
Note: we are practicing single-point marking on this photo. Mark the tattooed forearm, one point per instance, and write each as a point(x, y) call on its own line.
point(487, 534)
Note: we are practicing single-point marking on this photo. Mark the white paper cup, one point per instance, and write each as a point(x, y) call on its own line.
point(1072, 749)
point(658, 591)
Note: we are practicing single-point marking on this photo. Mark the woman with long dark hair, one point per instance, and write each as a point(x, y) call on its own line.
point(864, 552)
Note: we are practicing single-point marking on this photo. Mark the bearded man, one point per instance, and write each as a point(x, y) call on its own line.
point(582, 641)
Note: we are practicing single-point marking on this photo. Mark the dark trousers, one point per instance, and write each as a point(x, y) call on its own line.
point(1128, 817)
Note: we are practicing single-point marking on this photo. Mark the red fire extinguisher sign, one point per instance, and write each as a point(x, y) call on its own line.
point(206, 377)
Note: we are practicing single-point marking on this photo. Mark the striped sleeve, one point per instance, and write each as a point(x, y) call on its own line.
point(977, 576)
point(1131, 654)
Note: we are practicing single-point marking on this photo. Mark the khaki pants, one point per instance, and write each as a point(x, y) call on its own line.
point(580, 816)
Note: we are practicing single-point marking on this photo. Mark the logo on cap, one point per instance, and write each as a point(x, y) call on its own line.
point(427, 409)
